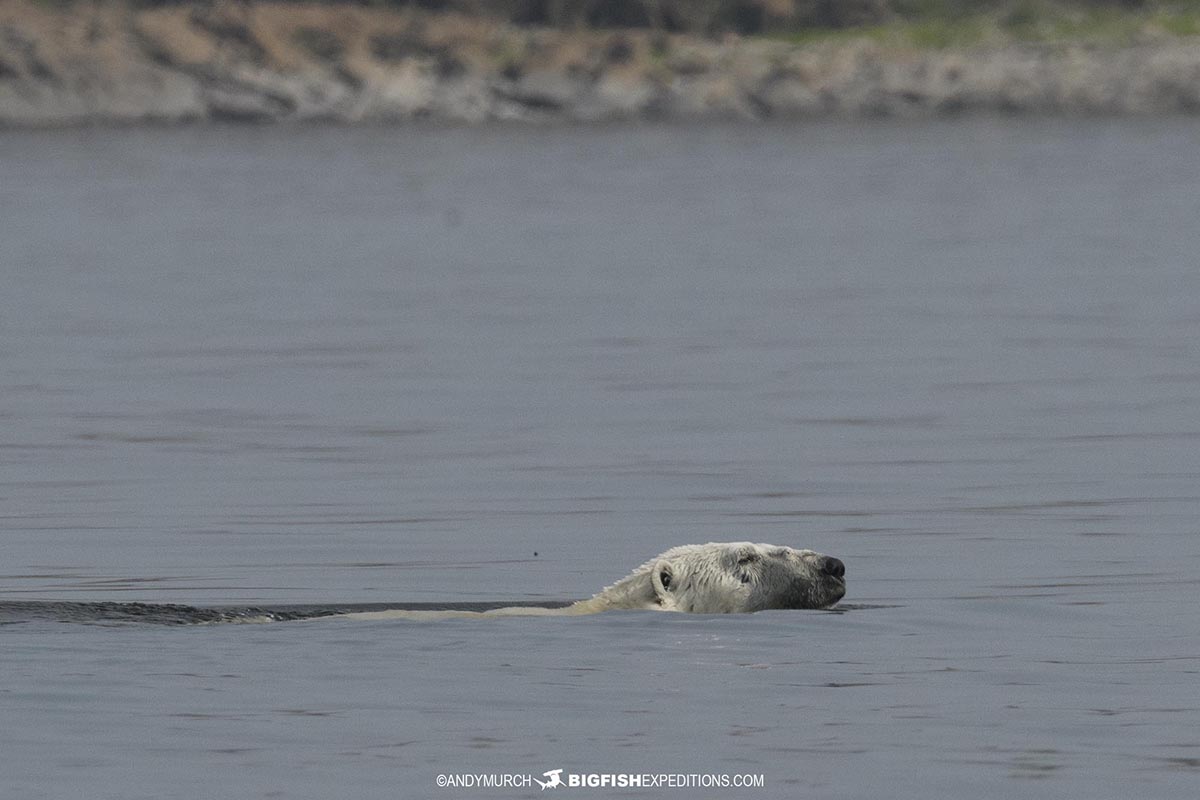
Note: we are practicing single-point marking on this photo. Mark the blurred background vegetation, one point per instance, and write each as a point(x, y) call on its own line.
point(923, 22)
point(930, 24)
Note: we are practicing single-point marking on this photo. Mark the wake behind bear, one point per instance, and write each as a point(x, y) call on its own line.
point(713, 578)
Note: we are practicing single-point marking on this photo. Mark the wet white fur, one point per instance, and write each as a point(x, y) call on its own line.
point(723, 578)
point(713, 578)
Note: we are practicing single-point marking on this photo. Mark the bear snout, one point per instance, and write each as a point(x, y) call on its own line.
point(832, 567)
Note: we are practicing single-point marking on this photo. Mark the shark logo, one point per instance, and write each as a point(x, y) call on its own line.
point(555, 776)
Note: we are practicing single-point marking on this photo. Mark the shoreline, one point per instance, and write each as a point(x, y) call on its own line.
point(270, 62)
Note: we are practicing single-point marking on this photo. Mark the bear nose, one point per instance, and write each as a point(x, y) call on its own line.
point(831, 566)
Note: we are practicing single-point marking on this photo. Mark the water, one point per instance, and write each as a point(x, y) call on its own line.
point(325, 367)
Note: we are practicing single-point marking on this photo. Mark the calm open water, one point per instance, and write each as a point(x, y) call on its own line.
point(278, 366)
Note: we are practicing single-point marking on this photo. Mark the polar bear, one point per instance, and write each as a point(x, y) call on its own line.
point(725, 578)
point(713, 578)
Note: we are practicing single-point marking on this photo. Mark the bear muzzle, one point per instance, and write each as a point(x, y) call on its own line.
point(832, 567)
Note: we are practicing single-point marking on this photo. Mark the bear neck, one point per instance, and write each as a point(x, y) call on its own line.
point(633, 591)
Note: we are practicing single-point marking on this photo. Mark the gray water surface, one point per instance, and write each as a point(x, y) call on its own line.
point(322, 366)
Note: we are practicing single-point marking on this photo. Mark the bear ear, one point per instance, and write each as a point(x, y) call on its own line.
point(663, 578)
point(745, 554)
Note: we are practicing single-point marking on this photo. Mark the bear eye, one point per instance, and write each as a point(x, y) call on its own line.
point(746, 558)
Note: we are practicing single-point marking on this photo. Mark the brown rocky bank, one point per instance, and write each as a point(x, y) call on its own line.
point(265, 61)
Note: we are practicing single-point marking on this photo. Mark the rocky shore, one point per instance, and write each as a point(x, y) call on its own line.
point(108, 62)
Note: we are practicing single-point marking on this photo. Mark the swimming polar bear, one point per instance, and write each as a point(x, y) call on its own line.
point(726, 578)
point(713, 578)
